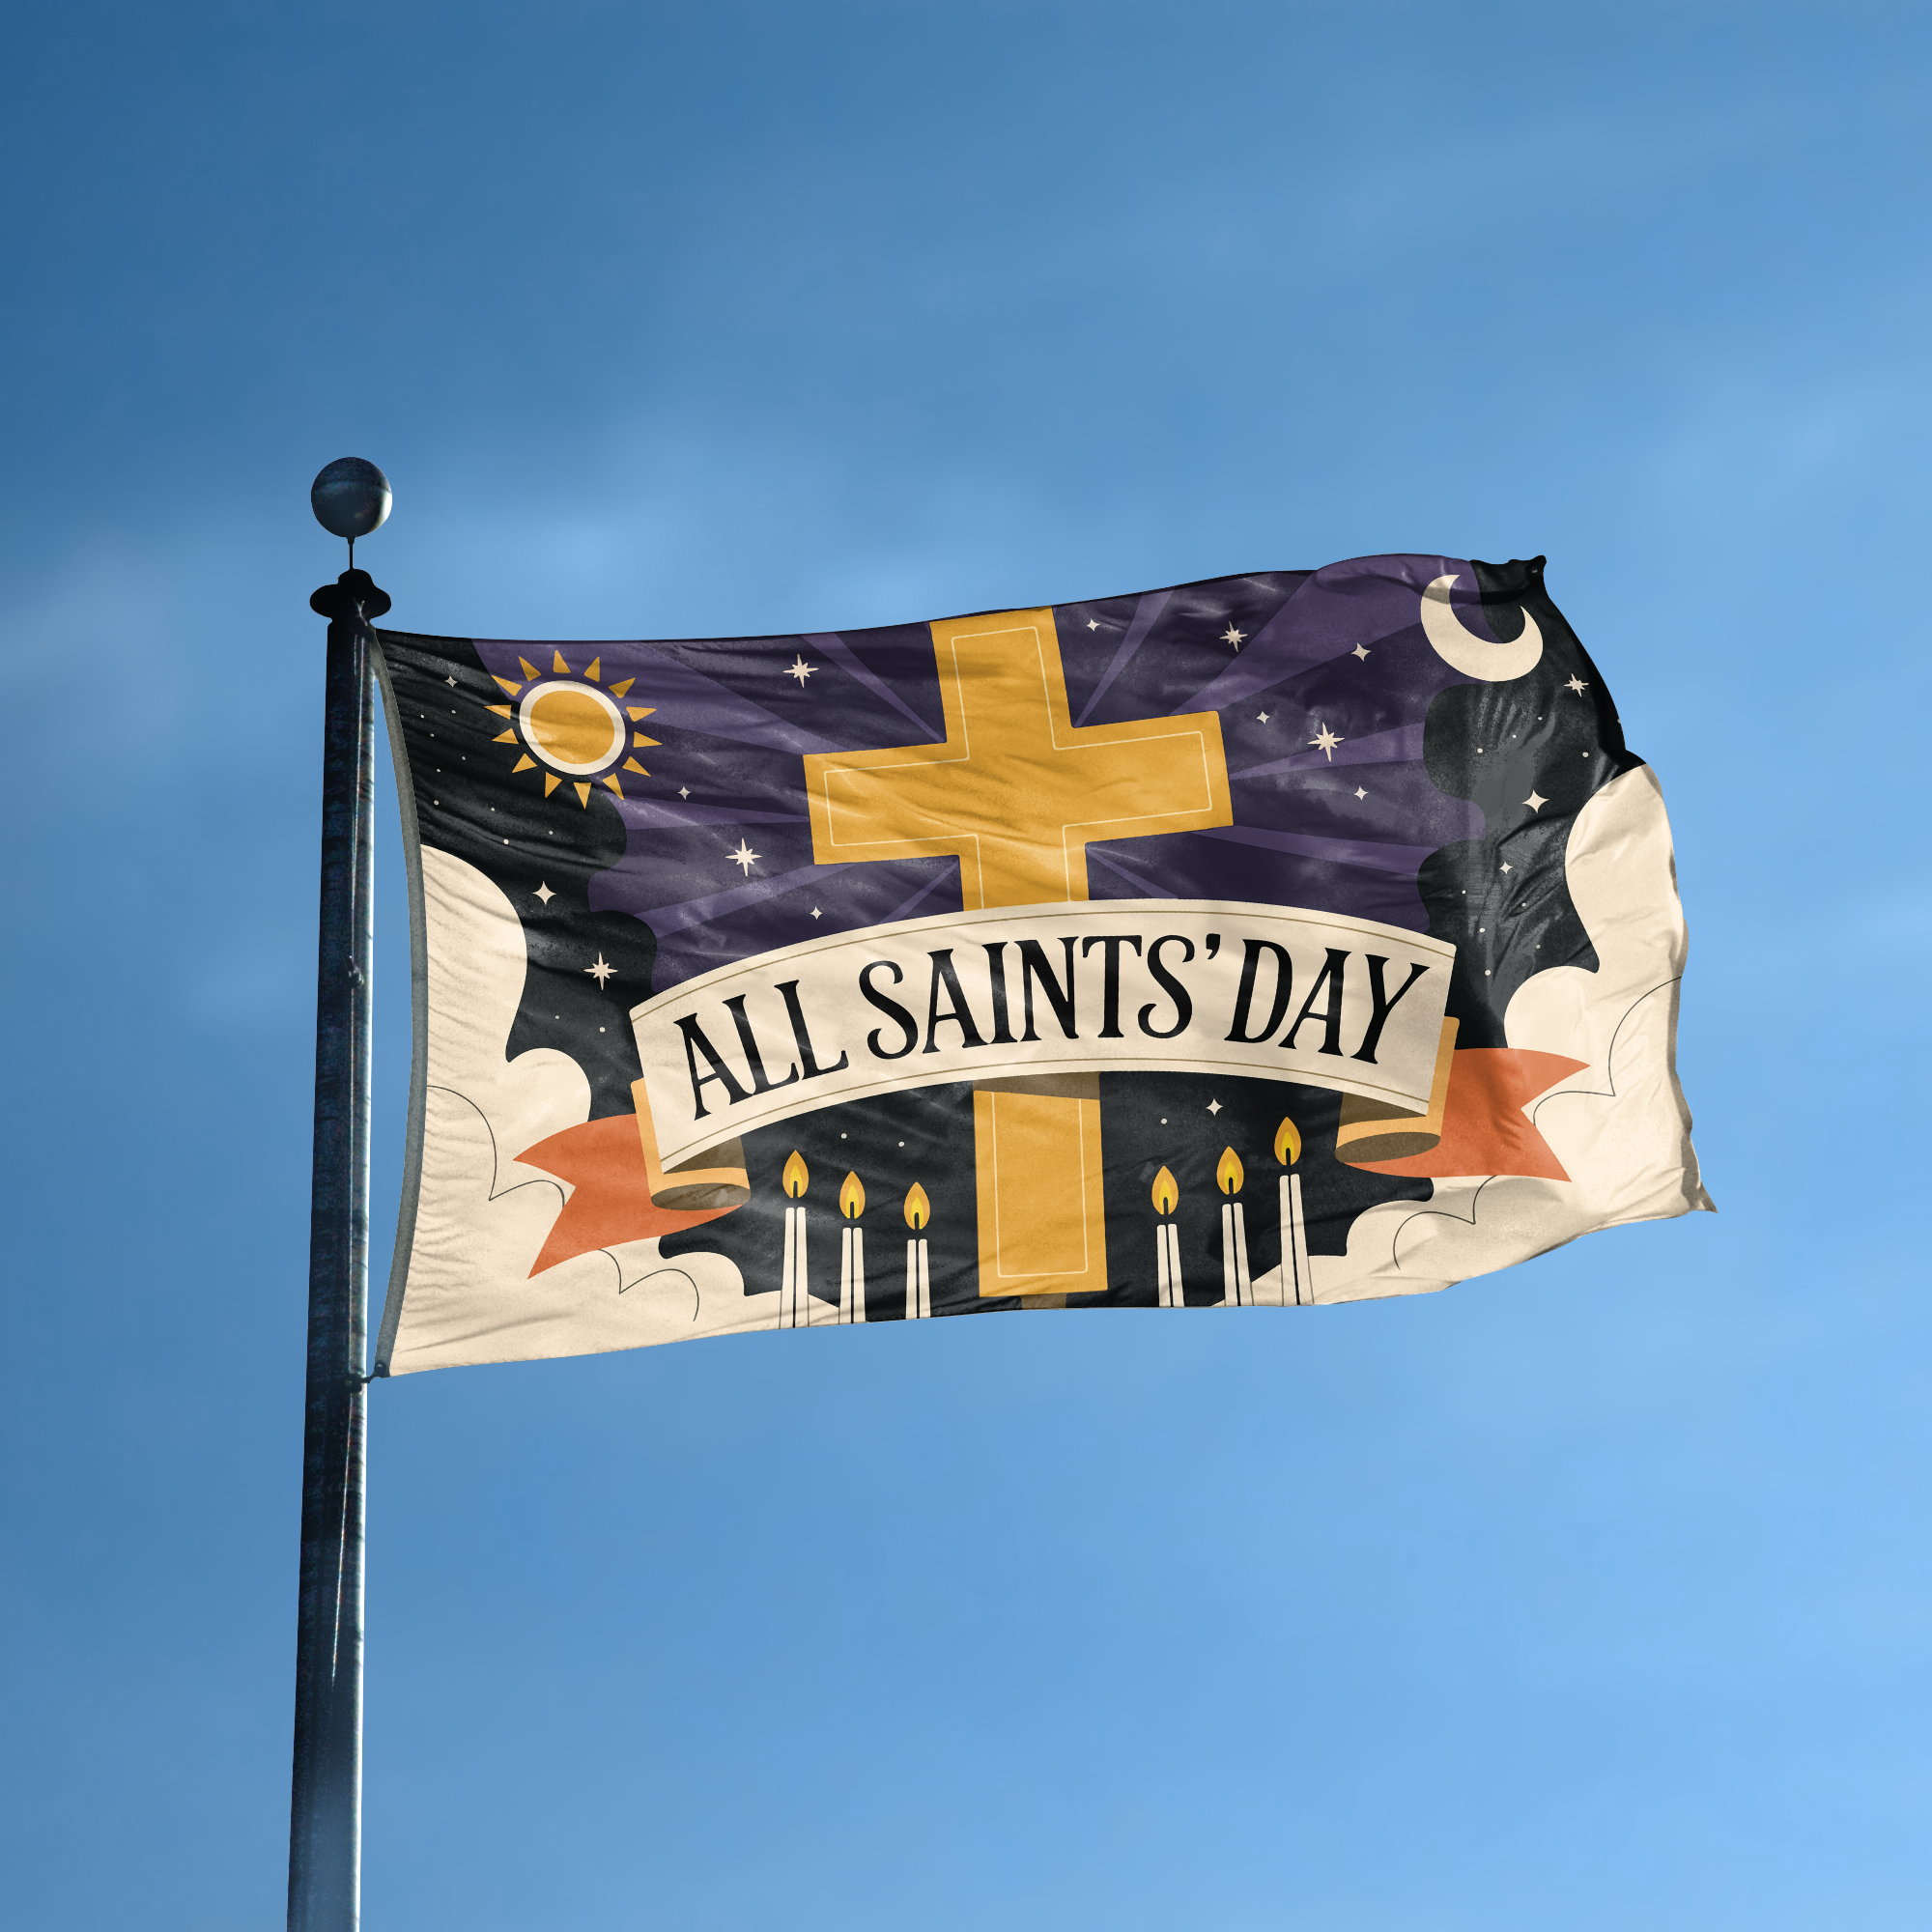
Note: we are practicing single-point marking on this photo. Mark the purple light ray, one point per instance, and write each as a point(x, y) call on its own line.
point(924, 893)
point(660, 815)
point(1400, 746)
point(667, 920)
point(1373, 854)
point(846, 658)
point(1339, 607)
point(1151, 603)
point(1120, 871)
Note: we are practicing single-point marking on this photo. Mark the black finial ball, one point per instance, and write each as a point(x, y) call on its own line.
point(351, 498)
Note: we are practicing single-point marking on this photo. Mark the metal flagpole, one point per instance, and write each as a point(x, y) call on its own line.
point(351, 498)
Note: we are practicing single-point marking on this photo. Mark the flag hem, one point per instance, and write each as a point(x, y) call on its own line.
point(412, 1148)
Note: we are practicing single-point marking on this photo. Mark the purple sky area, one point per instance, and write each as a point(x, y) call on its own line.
point(733, 722)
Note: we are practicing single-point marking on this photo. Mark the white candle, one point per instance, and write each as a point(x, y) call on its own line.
point(919, 1274)
point(1166, 1243)
point(852, 1277)
point(919, 1282)
point(788, 1281)
point(794, 1297)
point(852, 1252)
point(1237, 1287)
point(1304, 1286)
point(1296, 1290)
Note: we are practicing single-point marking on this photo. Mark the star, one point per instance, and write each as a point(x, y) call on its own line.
point(1231, 635)
point(815, 913)
point(1325, 740)
point(1214, 1106)
point(1261, 717)
point(1360, 794)
point(451, 682)
point(801, 671)
point(544, 894)
point(601, 972)
point(1360, 652)
point(1536, 800)
point(1507, 866)
point(1093, 623)
point(1577, 685)
point(744, 857)
point(684, 792)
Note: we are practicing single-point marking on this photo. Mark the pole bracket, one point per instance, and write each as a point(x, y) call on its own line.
point(354, 597)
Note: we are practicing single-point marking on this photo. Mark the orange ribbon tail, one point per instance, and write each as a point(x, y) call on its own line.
point(1483, 1127)
point(610, 1199)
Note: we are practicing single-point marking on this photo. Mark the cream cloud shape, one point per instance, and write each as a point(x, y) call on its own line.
point(1620, 1126)
point(482, 1217)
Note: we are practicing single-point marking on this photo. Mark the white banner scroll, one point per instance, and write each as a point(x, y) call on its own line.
point(1015, 992)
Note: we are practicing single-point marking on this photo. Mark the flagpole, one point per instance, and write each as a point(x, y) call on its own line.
point(326, 1805)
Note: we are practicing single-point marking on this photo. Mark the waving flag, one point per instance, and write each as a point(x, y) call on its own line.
point(1277, 940)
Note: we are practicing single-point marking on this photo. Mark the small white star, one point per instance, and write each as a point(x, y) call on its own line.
point(1360, 794)
point(1507, 866)
point(451, 682)
point(1231, 635)
point(1214, 1106)
point(1261, 717)
point(744, 857)
point(684, 792)
point(815, 912)
point(801, 671)
point(1577, 685)
point(1093, 623)
point(1536, 800)
point(1361, 651)
point(1325, 740)
point(601, 972)
point(544, 894)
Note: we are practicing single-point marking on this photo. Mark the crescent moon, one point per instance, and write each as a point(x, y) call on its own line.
point(1463, 650)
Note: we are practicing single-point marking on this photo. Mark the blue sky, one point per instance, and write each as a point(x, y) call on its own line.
point(1593, 1594)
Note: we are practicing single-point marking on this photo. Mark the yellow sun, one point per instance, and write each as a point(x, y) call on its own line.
point(574, 726)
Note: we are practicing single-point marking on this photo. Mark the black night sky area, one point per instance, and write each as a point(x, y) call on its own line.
point(1502, 900)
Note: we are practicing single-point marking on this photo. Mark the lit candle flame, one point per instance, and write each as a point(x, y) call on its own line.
point(1166, 1193)
point(852, 1198)
point(797, 1176)
point(1288, 1142)
point(1229, 1174)
point(917, 1208)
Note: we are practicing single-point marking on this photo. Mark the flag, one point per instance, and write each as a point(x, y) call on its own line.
point(1277, 940)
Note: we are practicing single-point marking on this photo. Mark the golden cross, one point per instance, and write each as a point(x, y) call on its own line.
point(1016, 793)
